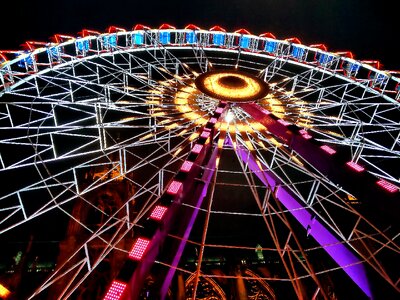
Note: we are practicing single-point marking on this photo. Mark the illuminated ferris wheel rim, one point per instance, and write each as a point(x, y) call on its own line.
point(241, 140)
point(314, 58)
point(374, 79)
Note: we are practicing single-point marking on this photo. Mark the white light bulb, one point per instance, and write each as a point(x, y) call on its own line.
point(229, 117)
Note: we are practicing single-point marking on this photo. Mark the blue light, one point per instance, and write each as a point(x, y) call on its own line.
point(27, 61)
point(110, 41)
point(380, 78)
point(138, 38)
point(324, 58)
point(298, 52)
point(191, 38)
point(244, 42)
point(271, 46)
point(218, 39)
point(353, 67)
point(82, 45)
point(54, 52)
point(165, 37)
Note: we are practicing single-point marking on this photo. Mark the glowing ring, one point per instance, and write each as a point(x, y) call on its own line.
point(232, 86)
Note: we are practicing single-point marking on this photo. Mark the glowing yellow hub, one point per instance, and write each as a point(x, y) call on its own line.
point(233, 86)
point(246, 87)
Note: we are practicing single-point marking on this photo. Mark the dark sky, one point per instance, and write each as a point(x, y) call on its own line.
point(367, 28)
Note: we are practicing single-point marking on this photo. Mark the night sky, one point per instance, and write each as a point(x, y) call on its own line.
point(367, 28)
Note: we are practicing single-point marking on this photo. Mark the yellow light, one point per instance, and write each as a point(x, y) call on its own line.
point(183, 132)
point(193, 136)
point(157, 92)
point(259, 164)
point(296, 160)
point(172, 126)
point(249, 89)
point(4, 292)
point(128, 119)
point(177, 151)
point(275, 142)
point(159, 114)
point(146, 136)
point(231, 85)
point(153, 102)
point(261, 144)
point(249, 145)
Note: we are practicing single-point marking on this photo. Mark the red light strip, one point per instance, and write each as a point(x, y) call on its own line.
point(186, 166)
point(174, 187)
point(139, 248)
point(115, 291)
point(328, 149)
point(197, 148)
point(158, 212)
point(355, 166)
point(387, 186)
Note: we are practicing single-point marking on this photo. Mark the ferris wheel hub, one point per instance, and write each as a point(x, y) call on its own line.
point(232, 86)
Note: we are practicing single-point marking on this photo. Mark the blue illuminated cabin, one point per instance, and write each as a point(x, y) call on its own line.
point(110, 41)
point(165, 37)
point(298, 52)
point(218, 39)
point(82, 45)
point(138, 38)
point(191, 38)
point(271, 46)
point(244, 42)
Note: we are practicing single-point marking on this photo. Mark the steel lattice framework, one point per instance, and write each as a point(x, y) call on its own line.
point(314, 166)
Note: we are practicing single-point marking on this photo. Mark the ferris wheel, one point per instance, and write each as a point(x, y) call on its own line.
point(197, 164)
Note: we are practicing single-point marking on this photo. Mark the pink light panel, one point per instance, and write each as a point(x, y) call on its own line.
point(305, 134)
point(186, 166)
point(328, 149)
point(355, 166)
point(138, 249)
point(219, 110)
point(115, 291)
point(387, 186)
point(158, 212)
point(197, 148)
point(213, 120)
point(205, 134)
point(174, 187)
